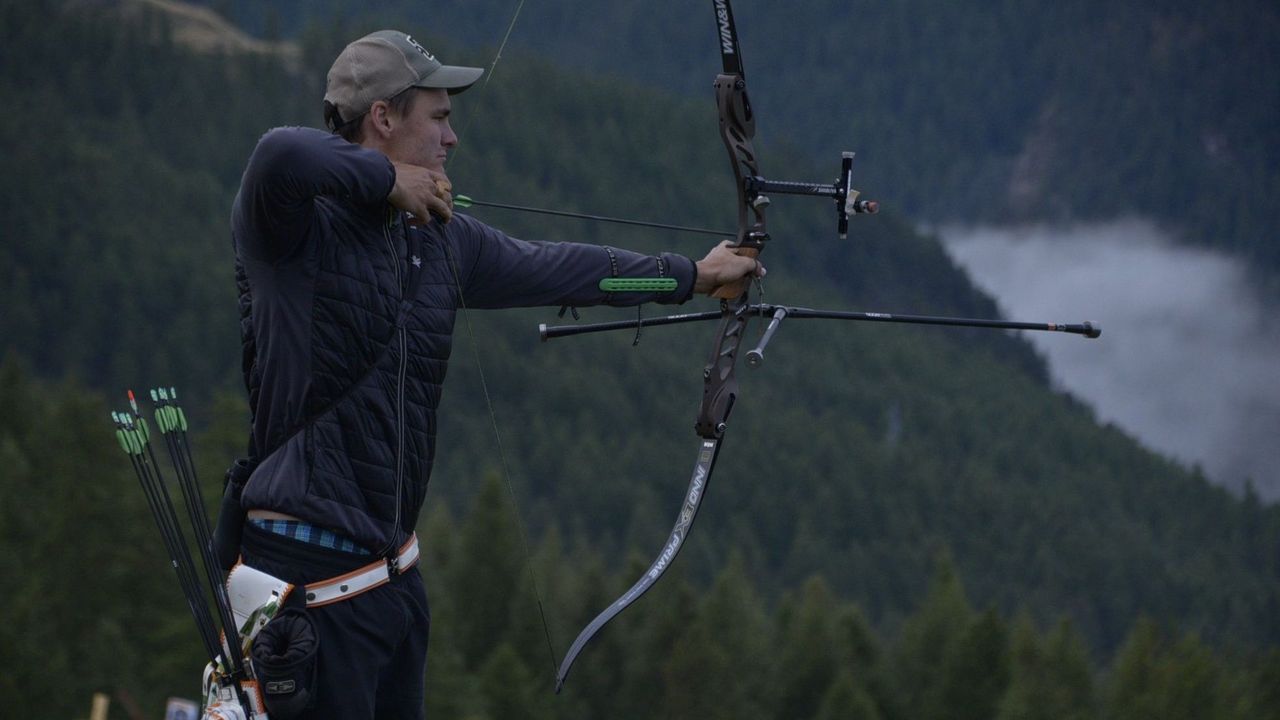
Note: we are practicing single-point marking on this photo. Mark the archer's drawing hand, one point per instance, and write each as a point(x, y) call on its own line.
point(422, 192)
point(724, 266)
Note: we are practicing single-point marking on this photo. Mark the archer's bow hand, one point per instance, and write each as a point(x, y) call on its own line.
point(422, 192)
point(726, 266)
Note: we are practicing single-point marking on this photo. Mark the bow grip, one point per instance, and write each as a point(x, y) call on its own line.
point(735, 289)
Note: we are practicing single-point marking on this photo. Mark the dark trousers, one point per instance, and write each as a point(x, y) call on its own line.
point(373, 647)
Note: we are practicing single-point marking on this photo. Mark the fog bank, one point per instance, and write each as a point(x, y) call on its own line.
point(1189, 359)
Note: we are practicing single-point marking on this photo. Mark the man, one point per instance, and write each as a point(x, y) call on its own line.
point(351, 265)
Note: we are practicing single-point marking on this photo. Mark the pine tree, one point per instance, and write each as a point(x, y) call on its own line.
point(717, 668)
point(1049, 680)
point(846, 699)
point(976, 670)
point(510, 689)
point(808, 652)
point(485, 579)
point(927, 639)
point(1153, 680)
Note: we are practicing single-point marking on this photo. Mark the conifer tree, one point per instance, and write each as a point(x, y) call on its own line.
point(645, 645)
point(717, 668)
point(1049, 679)
point(808, 651)
point(1153, 680)
point(485, 578)
point(861, 657)
point(926, 640)
point(510, 688)
point(846, 699)
point(1259, 686)
point(975, 670)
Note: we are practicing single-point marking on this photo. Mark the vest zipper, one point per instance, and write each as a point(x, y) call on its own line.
point(390, 549)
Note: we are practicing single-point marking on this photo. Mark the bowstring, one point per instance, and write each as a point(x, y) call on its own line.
point(502, 453)
point(475, 350)
point(480, 91)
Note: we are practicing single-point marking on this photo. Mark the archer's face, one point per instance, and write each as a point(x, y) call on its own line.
point(422, 136)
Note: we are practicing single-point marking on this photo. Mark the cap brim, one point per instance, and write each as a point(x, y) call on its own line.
point(453, 78)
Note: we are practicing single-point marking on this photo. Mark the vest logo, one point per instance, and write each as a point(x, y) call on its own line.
point(417, 261)
point(280, 687)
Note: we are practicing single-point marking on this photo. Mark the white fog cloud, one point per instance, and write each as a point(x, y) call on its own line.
point(1188, 359)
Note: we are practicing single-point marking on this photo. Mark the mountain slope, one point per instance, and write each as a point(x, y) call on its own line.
point(995, 112)
point(858, 451)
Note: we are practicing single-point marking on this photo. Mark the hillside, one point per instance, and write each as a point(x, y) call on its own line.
point(197, 28)
point(996, 112)
point(859, 456)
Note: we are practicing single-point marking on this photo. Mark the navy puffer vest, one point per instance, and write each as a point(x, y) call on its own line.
point(347, 315)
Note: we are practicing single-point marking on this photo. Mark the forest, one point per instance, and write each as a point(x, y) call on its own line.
point(906, 522)
point(1007, 111)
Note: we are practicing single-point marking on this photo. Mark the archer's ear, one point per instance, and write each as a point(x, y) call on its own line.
point(380, 119)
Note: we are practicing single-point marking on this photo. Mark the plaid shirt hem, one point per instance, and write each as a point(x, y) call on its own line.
point(308, 533)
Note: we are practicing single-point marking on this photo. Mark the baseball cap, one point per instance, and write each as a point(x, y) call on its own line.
point(383, 64)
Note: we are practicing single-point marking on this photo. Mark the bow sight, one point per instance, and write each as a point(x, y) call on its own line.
point(847, 202)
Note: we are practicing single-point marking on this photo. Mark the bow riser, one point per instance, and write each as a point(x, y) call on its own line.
point(720, 381)
point(720, 384)
point(737, 129)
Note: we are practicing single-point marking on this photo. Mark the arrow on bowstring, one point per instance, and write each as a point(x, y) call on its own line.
point(464, 201)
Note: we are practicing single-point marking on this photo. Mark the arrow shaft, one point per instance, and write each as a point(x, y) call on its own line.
point(586, 216)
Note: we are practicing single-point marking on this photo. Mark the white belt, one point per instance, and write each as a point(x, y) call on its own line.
point(257, 597)
point(360, 580)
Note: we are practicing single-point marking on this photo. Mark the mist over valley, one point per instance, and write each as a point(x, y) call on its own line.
point(1187, 358)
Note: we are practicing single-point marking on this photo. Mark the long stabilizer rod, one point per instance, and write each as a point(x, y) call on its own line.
point(777, 312)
